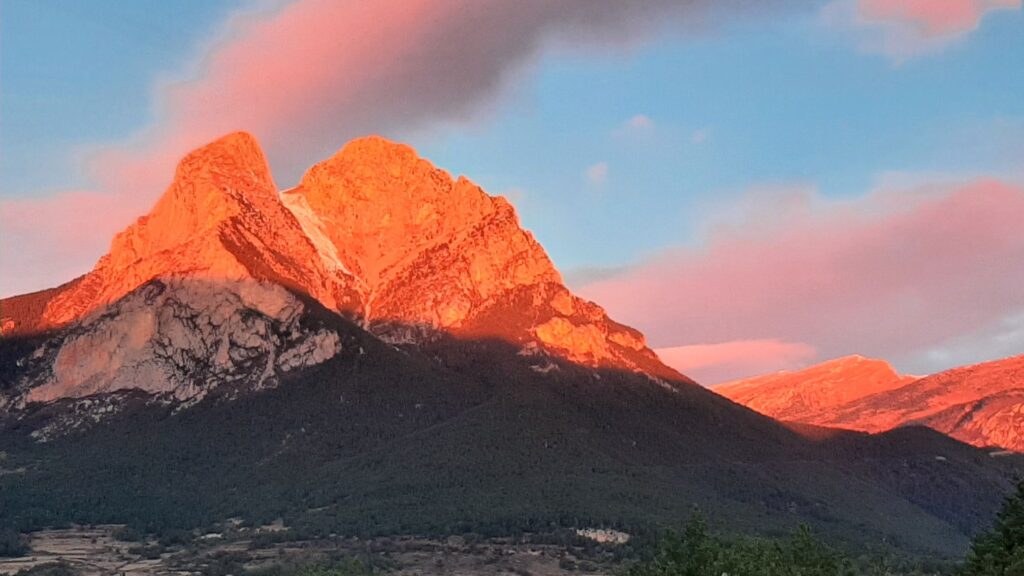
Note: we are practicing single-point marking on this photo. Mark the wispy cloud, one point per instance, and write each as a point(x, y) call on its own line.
point(639, 123)
point(700, 135)
point(891, 274)
point(597, 174)
point(903, 29)
point(517, 196)
point(999, 339)
point(51, 240)
point(716, 363)
point(307, 75)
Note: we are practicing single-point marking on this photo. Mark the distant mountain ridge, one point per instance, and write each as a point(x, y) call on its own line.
point(383, 349)
point(805, 395)
point(982, 404)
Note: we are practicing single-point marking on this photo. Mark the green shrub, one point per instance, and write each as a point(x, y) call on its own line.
point(128, 534)
point(1000, 551)
point(698, 553)
point(12, 544)
point(148, 552)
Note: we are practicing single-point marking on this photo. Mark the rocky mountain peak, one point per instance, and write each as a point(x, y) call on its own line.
point(427, 250)
point(375, 233)
point(225, 179)
point(855, 367)
point(231, 155)
point(982, 404)
point(221, 218)
point(382, 203)
point(814, 390)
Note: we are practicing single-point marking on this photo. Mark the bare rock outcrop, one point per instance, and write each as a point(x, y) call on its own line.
point(181, 339)
point(375, 234)
point(431, 251)
point(220, 219)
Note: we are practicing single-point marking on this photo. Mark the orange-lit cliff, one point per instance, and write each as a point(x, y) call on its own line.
point(374, 233)
point(981, 404)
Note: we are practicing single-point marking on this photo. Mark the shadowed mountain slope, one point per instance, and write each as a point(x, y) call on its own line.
point(463, 434)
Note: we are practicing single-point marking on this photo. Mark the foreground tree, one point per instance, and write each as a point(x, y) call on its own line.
point(12, 544)
point(698, 553)
point(1000, 551)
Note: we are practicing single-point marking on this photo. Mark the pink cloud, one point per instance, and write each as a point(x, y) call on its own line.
point(932, 17)
point(638, 124)
point(66, 225)
point(639, 128)
point(597, 174)
point(308, 75)
point(715, 363)
point(889, 275)
point(903, 29)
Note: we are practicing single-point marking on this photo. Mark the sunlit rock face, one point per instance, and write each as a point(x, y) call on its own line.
point(814, 393)
point(425, 248)
point(981, 404)
point(181, 339)
point(220, 219)
point(383, 207)
point(994, 420)
point(375, 234)
point(431, 251)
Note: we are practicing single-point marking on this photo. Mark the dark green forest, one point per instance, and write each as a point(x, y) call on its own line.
point(998, 551)
point(464, 437)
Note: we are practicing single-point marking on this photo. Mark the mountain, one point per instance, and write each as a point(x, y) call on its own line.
point(221, 218)
point(428, 250)
point(809, 395)
point(981, 404)
point(383, 349)
point(374, 233)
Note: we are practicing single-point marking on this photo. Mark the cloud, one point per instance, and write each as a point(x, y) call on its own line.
point(597, 174)
point(307, 75)
point(640, 122)
point(1001, 339)
point(932, 17)
point(638, 128)
point(517, 196)
point(67, 223)
point(902, 29)
point(716, 363)
point(891, 274)
point(700, 135)
point(590, 274)
point(636, 125)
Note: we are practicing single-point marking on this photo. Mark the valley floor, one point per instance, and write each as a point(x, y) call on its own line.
point(95, 551)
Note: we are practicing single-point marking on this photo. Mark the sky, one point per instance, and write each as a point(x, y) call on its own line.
point(755, 186)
